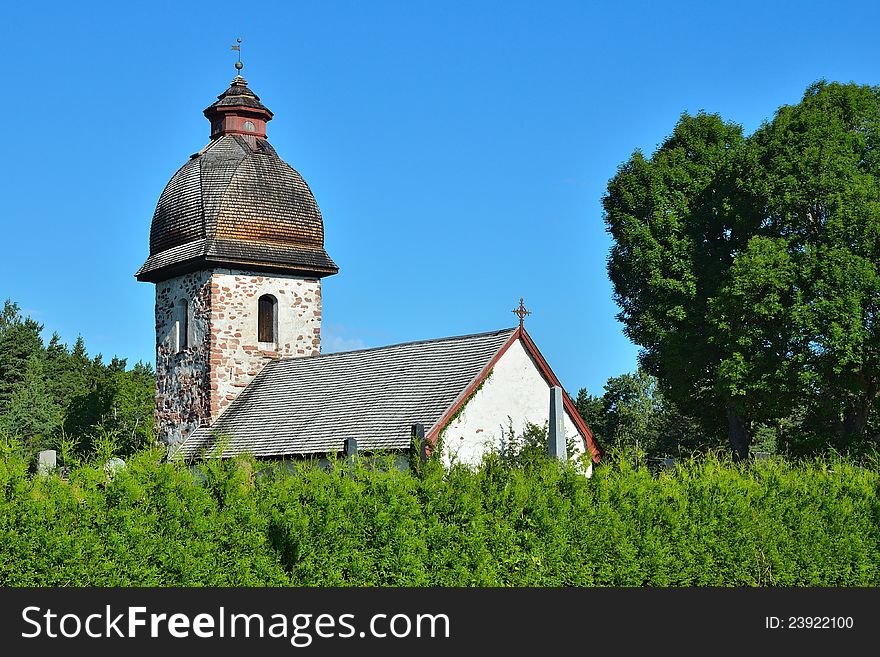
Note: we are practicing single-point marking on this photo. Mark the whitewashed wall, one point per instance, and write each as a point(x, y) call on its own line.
point(516, 393)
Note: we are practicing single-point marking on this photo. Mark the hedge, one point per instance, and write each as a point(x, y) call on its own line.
point(248, 523)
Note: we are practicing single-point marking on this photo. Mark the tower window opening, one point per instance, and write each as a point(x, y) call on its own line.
point(181, 326)
point(267, 319)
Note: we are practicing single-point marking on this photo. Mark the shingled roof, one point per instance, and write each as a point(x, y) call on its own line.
point(310, 405)
point(237, 204)
point(239, 95)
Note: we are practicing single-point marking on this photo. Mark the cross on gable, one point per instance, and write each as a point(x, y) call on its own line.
point(521, 312)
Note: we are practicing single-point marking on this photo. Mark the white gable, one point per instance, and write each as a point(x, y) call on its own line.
point(515, 393)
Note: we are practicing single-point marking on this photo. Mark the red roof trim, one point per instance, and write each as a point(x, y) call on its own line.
point(434, 433)
point(519, 334)
point(591, 444)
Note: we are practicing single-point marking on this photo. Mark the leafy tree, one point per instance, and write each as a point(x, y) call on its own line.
point(632, 410)
point(761, 370)
point(817, 186)
point(747, 269)
point(115, 400)
point(633, 413)
point(674, 237)
point(133, 405)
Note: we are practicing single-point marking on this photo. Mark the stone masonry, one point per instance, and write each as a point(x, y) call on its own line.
point(182, 379)
point(196, 384)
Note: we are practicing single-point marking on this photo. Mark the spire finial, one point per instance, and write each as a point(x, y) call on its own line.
point(238, 64)
point(521, 312)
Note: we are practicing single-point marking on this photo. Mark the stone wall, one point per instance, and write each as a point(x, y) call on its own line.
point(182, 378)
point(236, 355)
point(195, 384)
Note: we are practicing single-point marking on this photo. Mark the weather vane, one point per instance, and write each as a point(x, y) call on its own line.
point(521, 312)
point(238, 64)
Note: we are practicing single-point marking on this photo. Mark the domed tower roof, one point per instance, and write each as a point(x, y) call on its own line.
point(236, 203)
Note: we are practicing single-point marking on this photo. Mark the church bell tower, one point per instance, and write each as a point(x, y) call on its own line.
point(237, 256)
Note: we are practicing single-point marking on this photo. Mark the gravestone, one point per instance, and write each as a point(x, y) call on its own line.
point(47, 462)
point(113, 466)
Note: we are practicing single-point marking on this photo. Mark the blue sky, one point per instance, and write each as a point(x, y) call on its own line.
point(458, 150)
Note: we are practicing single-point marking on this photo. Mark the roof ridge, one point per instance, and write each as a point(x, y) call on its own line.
point(204, 149)
point(399, 344)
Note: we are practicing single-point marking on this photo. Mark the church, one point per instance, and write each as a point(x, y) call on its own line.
point(237, 257)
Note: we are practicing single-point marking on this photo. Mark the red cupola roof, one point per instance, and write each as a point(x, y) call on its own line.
point(238, 111)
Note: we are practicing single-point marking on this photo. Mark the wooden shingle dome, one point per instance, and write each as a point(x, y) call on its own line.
point(236, 203)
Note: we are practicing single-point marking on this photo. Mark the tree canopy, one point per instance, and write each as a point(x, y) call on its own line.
point(632, 414)
point(50, 394)
point(746, 268)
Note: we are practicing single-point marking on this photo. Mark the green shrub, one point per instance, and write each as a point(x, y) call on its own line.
point(708, 522)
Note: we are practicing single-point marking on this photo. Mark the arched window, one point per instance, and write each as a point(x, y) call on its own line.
point(181, 325)
point(267, 319)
